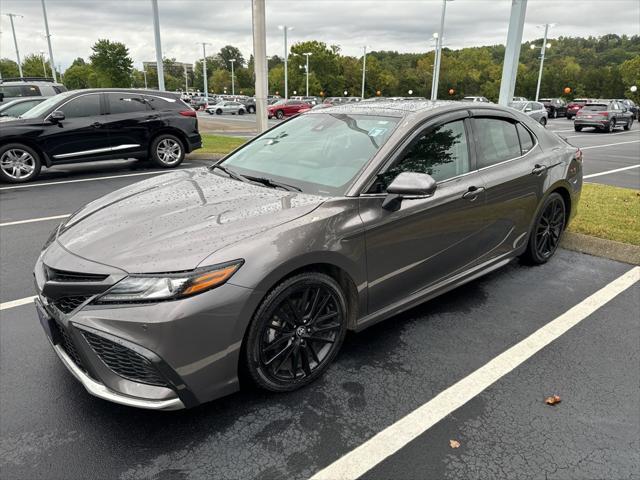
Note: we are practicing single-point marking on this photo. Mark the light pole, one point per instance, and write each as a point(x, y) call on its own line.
point(46, 29)
point(144, 74)
point(286, 29)
point(260, 65)
point(15, 40)
point(204, 71)
point(307, 54)
point(44, 65)
point(436, 76)
point(364, 69)
point(233, 79)
point(543, 48)
point(186, 78)
point(156, 34)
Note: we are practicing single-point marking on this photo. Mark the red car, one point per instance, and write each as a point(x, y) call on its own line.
point(575, 105)
point(286, 108)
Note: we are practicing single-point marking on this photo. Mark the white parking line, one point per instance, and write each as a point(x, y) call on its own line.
point(608, 145)
point(16, 303)
point(393, 438)
point(611, 171)
point(33, 185)
point(586, 135)
point(32, 220)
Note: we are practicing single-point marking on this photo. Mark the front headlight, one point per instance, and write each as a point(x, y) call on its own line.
point(150, 288)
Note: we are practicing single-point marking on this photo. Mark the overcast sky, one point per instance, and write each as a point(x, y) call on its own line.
point(403, 25)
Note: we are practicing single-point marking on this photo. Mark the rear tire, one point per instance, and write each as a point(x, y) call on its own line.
point(554, 113)
point(547, 231)
point(628, 124)
point(279, 114)
point(218, 112)
point(611, 127)
point(296, 332)
point(167, 151)
point(577, 129)
point(241, 112)
point(543, 121)
point(18, 163)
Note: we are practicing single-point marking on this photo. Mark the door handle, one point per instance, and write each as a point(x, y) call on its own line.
point(472, 193)
point(539, 170)
point(96, 125)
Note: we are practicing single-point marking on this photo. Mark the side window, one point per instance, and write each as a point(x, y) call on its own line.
point(84, 106)
point(497, 141)
point(122, 103)
point(526, 140)
point(442, 152)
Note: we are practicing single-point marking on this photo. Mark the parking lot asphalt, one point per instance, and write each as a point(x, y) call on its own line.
point(51, 428)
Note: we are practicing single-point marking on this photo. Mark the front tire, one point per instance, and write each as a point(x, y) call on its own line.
point(543, 121)
point(554, 113)
point(627, 126)
point(296, 332)
point(279, 114)
point(547, 230)
point(18, 163)
point(167, 151)
point(611, 127)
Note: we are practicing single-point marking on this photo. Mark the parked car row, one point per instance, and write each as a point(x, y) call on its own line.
point(97, 124)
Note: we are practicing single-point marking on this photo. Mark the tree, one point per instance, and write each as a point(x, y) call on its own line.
point(32, 66)
point(111, 63)
point(79, 76)
point(9, 68)
point(630, 72)
point(230, 52)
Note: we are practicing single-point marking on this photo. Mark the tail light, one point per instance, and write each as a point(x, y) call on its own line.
point(189, 113)
point(579, 155)
point(604, 114)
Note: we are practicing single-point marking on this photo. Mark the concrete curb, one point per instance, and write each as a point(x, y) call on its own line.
point(622, 252)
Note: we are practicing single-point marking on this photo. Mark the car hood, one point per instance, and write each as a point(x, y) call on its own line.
point(174, 221)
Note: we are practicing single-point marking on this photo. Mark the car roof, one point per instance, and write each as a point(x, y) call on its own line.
point(404, 108)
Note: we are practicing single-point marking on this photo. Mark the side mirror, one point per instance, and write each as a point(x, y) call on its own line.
point(408, 184)
point(56, 116)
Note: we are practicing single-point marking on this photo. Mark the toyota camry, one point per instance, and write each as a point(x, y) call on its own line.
point(163, 294)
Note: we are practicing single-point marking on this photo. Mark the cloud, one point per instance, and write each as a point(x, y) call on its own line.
point(403, 25)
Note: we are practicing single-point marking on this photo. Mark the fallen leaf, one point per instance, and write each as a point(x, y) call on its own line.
point(454, 444)
point(552, 400)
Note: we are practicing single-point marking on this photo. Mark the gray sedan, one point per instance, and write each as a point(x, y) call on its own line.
point(535, 110)
point(159, 294)
point(226, 107)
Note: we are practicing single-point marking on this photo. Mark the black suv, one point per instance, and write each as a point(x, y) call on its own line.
point(98, 124)
point(556, 107)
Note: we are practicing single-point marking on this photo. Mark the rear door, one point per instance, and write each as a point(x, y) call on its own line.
point(513, 168)
point(426, 239)
point(81, 134)
point(129, 119)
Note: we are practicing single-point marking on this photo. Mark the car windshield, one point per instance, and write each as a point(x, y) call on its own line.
point(518, 105)
point(43, 108)
point(317, 153)
point(595, 108)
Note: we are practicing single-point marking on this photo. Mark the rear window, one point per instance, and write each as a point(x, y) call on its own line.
point(595, 108)
point(14, 91)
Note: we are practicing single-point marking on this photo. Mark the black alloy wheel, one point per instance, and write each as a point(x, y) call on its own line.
point(543, 121)
point(547, 231)
point(296, 332)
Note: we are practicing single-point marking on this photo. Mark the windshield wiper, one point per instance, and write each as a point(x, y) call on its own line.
point(231, 173)
point(267, 182)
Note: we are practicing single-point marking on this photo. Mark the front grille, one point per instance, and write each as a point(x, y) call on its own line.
point(66, 342)
point(124, 361)
point(64, 276)
point(69, 304)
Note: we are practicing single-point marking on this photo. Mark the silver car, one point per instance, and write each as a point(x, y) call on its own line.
point(227, 107)
point(535, 110)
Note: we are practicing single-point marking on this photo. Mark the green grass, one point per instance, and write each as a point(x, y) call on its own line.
point(611, 213)
point(219, 144)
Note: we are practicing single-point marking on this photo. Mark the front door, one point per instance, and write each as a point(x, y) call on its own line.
point(427, 239)
point(81, 134)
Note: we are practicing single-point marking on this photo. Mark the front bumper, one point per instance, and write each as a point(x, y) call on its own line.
point(163, 356)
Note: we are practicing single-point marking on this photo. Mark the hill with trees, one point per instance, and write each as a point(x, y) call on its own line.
point(603, 67)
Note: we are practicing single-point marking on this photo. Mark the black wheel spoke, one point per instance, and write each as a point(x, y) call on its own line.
point(320, 340)
point(276, 343)
point(289, 350)
point(327, 327)
point(313, 353)
point(304, 356)
point(279, 354)
point(323, 304)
